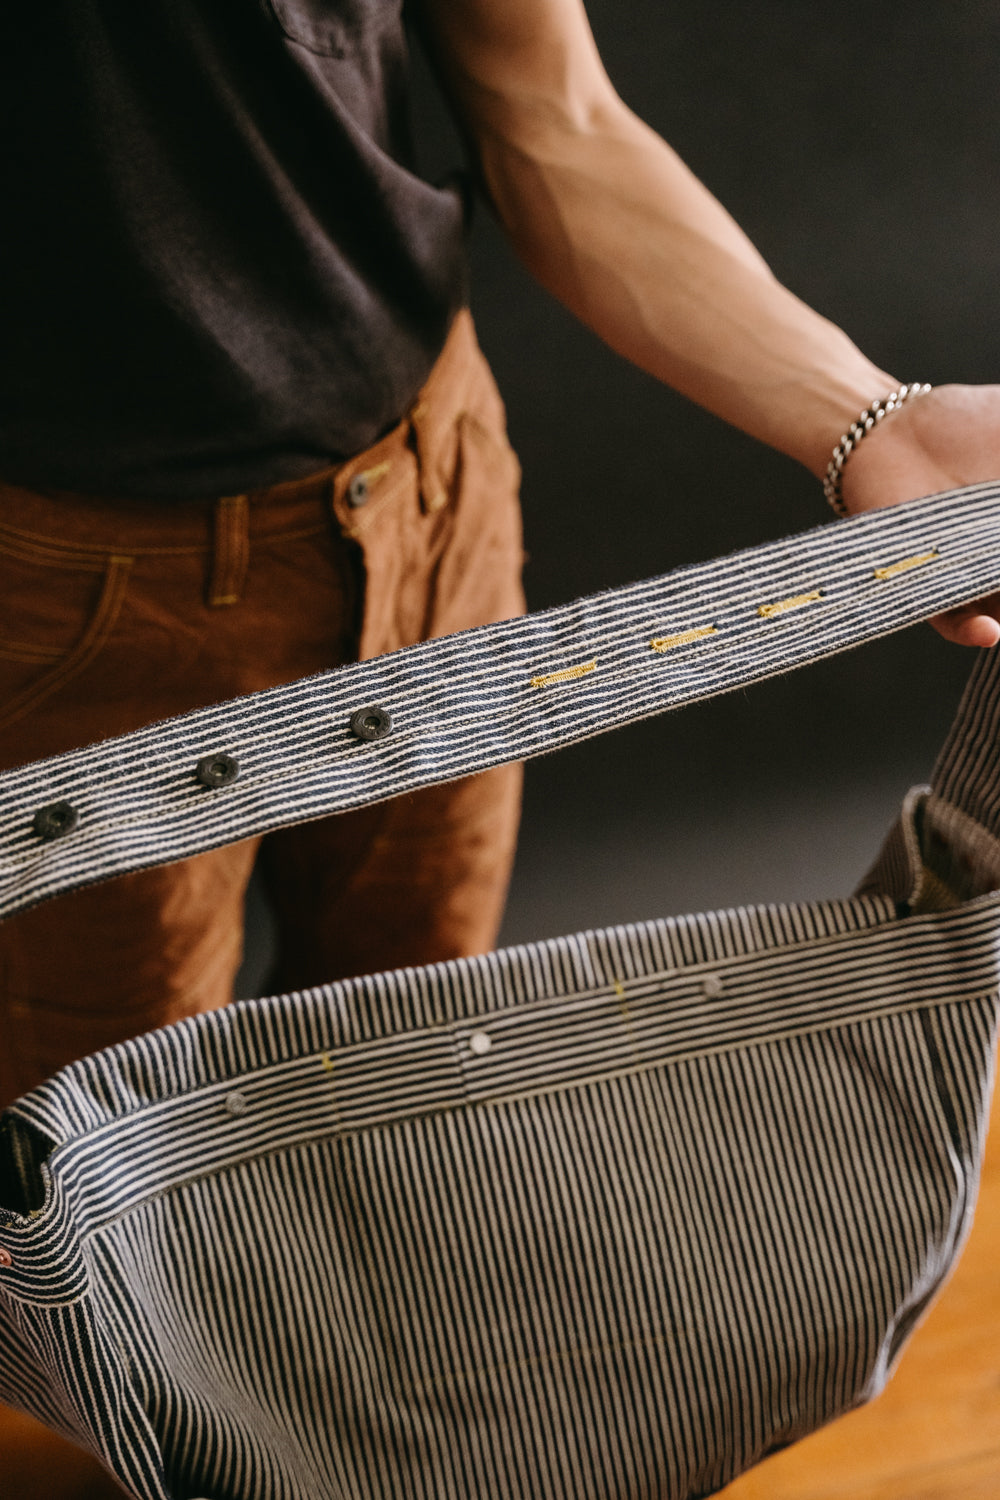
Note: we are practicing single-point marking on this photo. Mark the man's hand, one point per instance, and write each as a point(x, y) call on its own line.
point(940, 441)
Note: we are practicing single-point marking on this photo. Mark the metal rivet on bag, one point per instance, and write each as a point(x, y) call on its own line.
point(372, 723)
point(480, 1044)
point(237, 1103)
point(712, 986)
point(217, 770)
point(55, 820)
point(6, 1260)
point(357, 491)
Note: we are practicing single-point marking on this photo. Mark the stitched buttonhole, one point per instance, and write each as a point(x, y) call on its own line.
point(906, 565)
point(683, 638)
point(54, 821)
point(217, 770)
point(568, 674)
point(372, 723)
point(782, 607)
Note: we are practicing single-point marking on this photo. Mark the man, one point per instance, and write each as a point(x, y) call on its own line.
point(246, 433)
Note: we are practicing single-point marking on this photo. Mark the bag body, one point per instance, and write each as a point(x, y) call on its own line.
point(611, 1215)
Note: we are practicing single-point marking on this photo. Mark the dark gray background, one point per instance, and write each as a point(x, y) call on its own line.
point(858, 146)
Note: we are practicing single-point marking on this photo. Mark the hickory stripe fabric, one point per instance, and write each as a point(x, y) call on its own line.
point(612, 1215)
point(498, 693)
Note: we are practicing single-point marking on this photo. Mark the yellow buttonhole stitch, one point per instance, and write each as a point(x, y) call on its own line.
point(668, 642)
point(564, 676)
point(784, 605)
point(905, 566)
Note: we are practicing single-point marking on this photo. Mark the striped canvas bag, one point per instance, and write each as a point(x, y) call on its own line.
point(613, 1215)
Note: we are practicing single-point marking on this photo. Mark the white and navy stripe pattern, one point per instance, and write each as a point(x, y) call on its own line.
point(611, 1215)
point(467, 701)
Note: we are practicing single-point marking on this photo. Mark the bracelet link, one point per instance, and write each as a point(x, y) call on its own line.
point(872, 415)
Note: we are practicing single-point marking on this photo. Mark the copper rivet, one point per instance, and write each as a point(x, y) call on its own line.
point(6, 1259)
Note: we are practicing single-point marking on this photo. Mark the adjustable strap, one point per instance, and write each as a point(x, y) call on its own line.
point(449, 707)
point(968, 770)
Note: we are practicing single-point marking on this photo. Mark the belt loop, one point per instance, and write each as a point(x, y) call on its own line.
point(231, 550)
point(428, 442)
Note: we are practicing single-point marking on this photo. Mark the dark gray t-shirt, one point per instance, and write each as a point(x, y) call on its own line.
point(218, 267)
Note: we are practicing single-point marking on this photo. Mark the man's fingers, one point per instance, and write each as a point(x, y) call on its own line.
point(970, 626)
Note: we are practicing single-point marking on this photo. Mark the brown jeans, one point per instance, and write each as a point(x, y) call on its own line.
point(114, 614)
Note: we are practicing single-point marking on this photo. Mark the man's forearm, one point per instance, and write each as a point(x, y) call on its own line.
point(610, 220)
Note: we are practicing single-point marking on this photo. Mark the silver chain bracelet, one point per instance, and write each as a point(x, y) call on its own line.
point(869, 418)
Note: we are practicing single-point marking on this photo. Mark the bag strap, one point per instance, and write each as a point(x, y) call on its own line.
point(967, 773)
point(459, 704)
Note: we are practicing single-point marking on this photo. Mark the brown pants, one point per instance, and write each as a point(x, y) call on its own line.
point(114, 614)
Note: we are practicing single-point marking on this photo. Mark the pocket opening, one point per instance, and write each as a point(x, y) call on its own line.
point(23, 1150)
point(87, 648)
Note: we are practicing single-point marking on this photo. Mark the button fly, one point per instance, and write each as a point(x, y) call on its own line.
point(358, 491)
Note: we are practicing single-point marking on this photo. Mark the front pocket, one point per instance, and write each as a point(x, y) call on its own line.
point(55, 616)
point(476, 576)
point(333, 28)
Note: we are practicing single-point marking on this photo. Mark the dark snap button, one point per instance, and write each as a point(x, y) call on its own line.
point(357, 491)
point(217, 770)
point(371, 723)
point(53, 821)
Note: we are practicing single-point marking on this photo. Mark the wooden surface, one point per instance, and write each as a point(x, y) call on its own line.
point(37, 1465)
point(933, 1435)
point(935, 1432)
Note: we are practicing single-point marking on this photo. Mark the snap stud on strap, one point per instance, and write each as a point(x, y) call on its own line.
point(54, 821)
point(372, 723)
point(217, 770)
